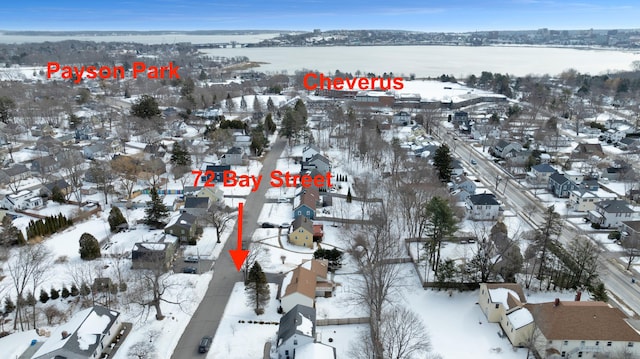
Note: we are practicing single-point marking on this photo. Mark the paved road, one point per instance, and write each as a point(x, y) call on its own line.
point(207, 317)
point(530, 208)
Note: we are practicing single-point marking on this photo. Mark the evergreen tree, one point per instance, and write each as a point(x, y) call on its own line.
point(269, 125)
point(442, 161)
point(74, 291)
point(44, 296)
point(257, 288)
point(9, 305)
point(258, 140)
point(145, 107)
point(57, 195)
point(180, 156)
point(349, 198)
point(229, 103)
point(243, 103)
point(115, 218)
point(440, 223)
point(257, 106)
point(85, 290)
point(10, 235)
point(55, 294)
point(89, 247)
point(65, 292)
point(599, 293)
point(270, 106)
point(156, 210)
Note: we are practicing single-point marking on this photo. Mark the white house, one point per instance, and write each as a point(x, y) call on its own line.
point(540, 174)
point(309, 151)
point(22, 200)
point(482, 207)
point(611, 213)
point(297, 336)
point(88, 334)
point(583, 330)
point(582, 200)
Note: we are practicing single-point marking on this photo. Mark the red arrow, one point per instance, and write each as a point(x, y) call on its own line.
point(239, 255)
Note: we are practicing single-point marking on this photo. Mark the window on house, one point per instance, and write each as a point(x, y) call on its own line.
point(608, 344)
point(295, 342)
point(497, 305)
point(566, 342)
point(308, 213)
point(630, 344)
point(579, 354)
point(582, 342)
point(597, 343)
point(564, 354)
point(511, 330)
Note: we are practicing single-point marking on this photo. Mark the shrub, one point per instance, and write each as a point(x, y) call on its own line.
point(55, 294)
point(65, 292)
point(595, 225)
point(89, 247)
point(44, 296)
point(116, 218)
point(74, 291)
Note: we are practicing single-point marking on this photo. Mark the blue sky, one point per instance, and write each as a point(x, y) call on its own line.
point(451, 15)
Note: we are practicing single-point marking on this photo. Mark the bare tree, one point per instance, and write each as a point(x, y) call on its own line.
point(128, 169)
point(27, 266)
point(220, 216)
point(100, 173)
point(372, 249)
point(403, 336)
point(584, 254)
point(73, 167)
point(631, 246)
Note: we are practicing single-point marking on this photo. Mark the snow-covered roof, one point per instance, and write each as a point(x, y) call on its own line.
point(315, 351)
point(83, 334)
point(499, 295)
point(520, 317)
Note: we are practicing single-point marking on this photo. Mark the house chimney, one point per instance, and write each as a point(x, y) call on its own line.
point(578, 295)
point(556, 302)
point(65, 334)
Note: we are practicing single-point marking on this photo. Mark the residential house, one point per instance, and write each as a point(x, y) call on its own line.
point(44, 165)
point(616, 173)
point(215, 194)
point(456, 168)
point(302, 232)
point(540, 173)
point(584, 200)
point(629, 143)
point(555, 141)
point(505, 149)
point(317, 161)
point(575, 177)
point(482, 207)
point(153, 255)
point(95, 150)
point(401, 118)
point(196, 206)
point(42, 130)
point(559, 185)
point(611, 213)
point(84, 132)
point(48, 144)
point(233, 156)
point(306, 282)
point(460, 119)
point(17, 172)
point(612, 136)
point(217, 170)
point(61, 184)
point(242, 141)
point(309, 150)
point(630, 229)
point(305, 203)
point(588, 150)
point(583, 330)
point(22, 200)
point(88, 334)
point(67, 140)
point(297, 336)
point(183, 226)
point(504, 303)
point(464, 183)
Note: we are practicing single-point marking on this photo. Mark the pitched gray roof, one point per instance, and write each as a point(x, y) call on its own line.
point(484, 199)
point(543, 168)
point(559, 178)
point(615, 206)
point(196, 202)
point(304, 222)
point(289, 322)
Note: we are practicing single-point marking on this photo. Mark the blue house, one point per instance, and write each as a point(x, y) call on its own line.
point(559, 185)
point(217, 170)
point(305, 203)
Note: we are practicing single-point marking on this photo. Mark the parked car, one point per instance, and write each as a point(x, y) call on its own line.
point(474, 162)
point(192, 270)
point(205, 344)
point(191, 259)
point(283, 200)
point(267, 225)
